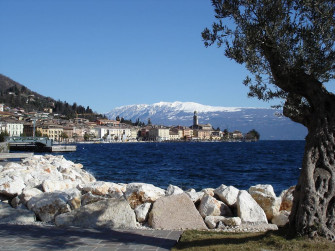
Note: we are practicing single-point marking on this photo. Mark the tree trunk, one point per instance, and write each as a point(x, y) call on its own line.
point(313, 211)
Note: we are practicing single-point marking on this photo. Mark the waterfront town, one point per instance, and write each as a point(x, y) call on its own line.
point(17, 122)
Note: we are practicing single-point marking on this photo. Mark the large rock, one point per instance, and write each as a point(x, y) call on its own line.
point(175, 212)
point(27, 194)
point(232, 221)
point(287, 199)
point(139, 193)
point(248, 209)
point(111, 213)
point(103, 188)
point(281, 219)
point(173, 190)
point(89, 198)
point(208, 191)
point(212, 221)
point(12, 215)
point(11, 184)
point(209, 206)
point(194, 195)
point(48, 205)
point(142, 212)
point(265, 196)
point(58, 185)
point(227, 194)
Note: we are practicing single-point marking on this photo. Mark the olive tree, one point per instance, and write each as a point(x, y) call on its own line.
point(288, 47)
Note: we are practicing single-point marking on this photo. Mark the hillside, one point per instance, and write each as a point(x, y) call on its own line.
point(267, 122)
point(16, 95)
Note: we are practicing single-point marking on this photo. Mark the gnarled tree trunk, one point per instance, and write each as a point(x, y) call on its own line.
point(313, 211)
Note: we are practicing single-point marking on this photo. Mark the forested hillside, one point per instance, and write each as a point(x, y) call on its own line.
point(16, 95)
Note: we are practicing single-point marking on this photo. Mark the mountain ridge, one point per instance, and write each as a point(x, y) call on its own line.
point(267, 121)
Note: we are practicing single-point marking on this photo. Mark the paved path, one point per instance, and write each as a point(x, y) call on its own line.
point(32, 237)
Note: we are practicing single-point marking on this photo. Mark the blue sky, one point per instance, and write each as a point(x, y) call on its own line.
point(110, 53)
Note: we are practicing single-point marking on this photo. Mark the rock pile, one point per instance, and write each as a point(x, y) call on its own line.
point(52, 189)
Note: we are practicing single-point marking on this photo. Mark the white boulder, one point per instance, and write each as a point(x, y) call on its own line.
point(248, 209)
point(139, 193)
point(173, 190)
point(27, 194)
point(48, 205)
point(228, 194)
point(194, 195)
point(209, 206)
point(175, 212)
point(58, 185)
point(265, 197)
point(110, 213)
point(11, 184)
point(142, 212)
point(281, 219)
point(232, 221)
point(212, 221)
point(287, 199)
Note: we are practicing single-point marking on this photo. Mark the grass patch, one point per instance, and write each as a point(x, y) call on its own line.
point(271, 240)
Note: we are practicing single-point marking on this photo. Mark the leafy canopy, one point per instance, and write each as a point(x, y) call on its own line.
point(276, 41)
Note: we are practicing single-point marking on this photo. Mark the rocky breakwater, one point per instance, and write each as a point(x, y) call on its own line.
point(54, 190)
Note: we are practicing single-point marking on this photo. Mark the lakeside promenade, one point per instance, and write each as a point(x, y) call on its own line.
point(35, 237)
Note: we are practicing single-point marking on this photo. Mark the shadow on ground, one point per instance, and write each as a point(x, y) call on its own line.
point(50, 237)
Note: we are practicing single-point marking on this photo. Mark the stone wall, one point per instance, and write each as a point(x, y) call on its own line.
point(52, 189)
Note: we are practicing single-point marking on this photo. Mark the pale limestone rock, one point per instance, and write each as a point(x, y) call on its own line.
point(232, 221)
point(142, 212)
point(227, 194)
point(48, 205)
point(111, 213)
point(212, 221)
point(116, 190)
point(89, 198)
point(12, 215)
point(74, 198)
point(208, 191)
point(265, 197)
point(173, 190)
point(57, 185)
point(27, 194)
point(287, 199)
point(11, 184)
point(209, 206)
point(98, 187)
point(248, 209)
point(281, 219)
point(139, 193)
point(175, 212)
point(194, 195)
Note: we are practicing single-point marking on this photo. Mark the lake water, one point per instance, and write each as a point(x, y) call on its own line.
point(195, 165)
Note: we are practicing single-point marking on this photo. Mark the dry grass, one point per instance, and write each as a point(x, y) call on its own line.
point(272, 240)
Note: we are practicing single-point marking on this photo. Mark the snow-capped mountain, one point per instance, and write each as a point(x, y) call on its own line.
point(268, 122)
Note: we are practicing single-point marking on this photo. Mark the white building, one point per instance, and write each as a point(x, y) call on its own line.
point(159, 134)
point(13, 128)
point(114, 134)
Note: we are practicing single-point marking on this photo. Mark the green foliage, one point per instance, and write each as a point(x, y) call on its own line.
point(288, 46)
point(253, 134)
point(16, 95)
point(38, 133)
point(3, 136)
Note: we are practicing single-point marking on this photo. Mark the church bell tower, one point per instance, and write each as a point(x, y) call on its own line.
point(195, 119)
